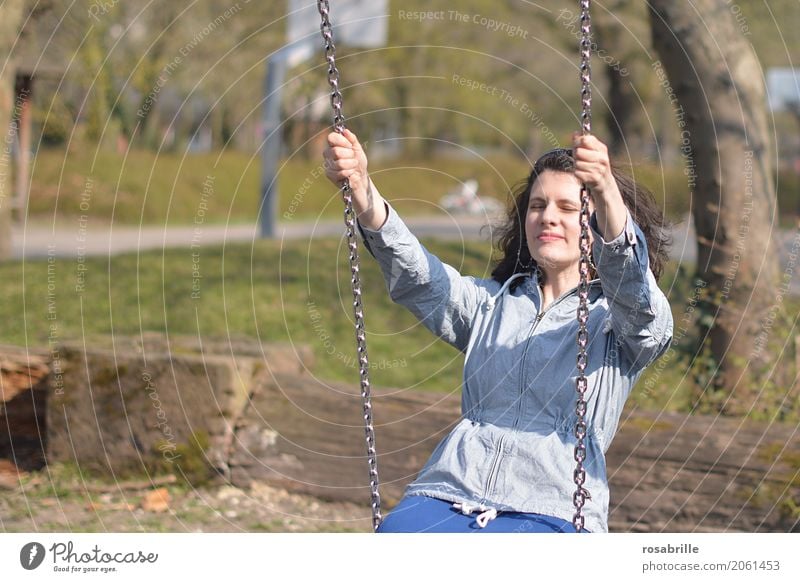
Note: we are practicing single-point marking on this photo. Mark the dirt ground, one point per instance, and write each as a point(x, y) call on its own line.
point(57, 499)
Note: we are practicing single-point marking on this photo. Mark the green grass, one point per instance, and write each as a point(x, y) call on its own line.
point(218, 188)
point(267, 291)
point(292, 292)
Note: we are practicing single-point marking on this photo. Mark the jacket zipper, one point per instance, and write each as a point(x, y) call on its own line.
point(493, 470)
point(539, 318)
point(496, 461)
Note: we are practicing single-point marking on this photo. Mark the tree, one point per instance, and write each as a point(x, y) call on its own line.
point(13, 17)
point(617, 28)
point(718, 83)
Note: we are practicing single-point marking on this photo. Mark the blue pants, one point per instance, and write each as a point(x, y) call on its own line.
point(422, 514)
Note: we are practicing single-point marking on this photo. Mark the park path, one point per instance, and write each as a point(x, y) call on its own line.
point(37, 241)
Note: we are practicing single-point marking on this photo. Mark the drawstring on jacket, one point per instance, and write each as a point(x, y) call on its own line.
point(489, 306)
point(487, 513)
point(493, 299)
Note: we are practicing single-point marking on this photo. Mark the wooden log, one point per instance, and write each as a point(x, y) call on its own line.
point(23, 402)
point(668, 472)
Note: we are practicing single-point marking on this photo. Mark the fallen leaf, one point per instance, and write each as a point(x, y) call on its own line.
point(156, 500)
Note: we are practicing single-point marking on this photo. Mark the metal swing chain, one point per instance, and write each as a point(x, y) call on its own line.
point(355, 281)
point(581, 495)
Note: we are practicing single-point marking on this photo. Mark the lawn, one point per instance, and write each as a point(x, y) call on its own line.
point(294, 292)
point(149, 188)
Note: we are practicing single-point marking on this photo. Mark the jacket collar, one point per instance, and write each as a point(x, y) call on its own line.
point(532, 287)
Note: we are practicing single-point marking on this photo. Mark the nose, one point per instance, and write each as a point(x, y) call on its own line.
point(549, 214)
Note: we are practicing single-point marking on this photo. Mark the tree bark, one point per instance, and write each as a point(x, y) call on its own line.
point(625, 127)
point(13, 11)
point(721, 114)
point(626, 120)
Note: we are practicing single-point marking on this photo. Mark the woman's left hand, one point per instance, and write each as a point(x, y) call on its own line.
point(592, 166)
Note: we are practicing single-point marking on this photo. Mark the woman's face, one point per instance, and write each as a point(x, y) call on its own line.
point(552, 224)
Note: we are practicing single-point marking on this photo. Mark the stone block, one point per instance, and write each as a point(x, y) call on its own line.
point(127, 411)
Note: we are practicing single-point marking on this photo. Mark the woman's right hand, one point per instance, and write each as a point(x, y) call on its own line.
point(345, 160)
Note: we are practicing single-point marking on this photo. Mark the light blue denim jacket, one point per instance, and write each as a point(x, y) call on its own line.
point(513, 449)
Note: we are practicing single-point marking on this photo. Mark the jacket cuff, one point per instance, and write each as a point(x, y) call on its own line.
point(392, 229)
point(626, 238)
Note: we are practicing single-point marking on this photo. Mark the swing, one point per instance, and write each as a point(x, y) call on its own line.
point(579, 476)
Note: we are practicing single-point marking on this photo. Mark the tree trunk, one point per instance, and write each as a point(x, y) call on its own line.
point(721, 114)
point(626, 123)
point(624, 115)
point(99, 130)
point(12, 12)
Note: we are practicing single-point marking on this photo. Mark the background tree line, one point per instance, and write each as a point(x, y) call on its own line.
point(108, 71)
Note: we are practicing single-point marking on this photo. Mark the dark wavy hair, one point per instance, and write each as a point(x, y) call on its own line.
point(512, 245)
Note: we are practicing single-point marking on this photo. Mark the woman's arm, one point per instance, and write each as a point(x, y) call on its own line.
point(436, 293)
point(640, 313)
point(593, 168)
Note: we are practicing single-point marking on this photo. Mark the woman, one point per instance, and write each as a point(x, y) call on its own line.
point(508, 464)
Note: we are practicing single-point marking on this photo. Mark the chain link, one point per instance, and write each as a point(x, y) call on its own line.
point(355, 281)
point(581, 495)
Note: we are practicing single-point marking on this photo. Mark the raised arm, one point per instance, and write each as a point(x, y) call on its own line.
point(436, 293)
point(640, 313)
